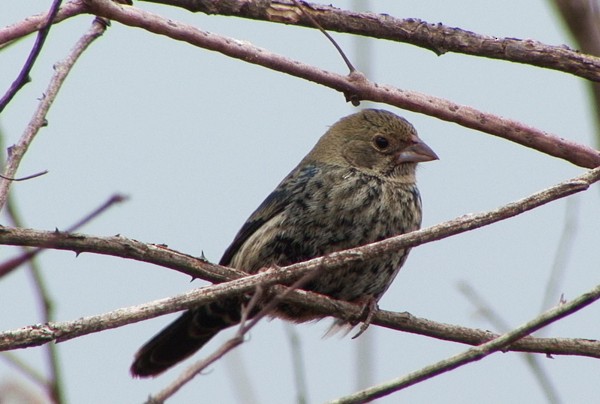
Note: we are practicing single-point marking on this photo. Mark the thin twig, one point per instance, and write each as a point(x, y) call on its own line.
point(27, 370)
point(320, 28)
point(485, 309)
point(17, 151)
point(247, 322)
point(40, 334)
point(197, 368)
point(356, 86)
point(29, 177)
point(54, 383)
point(23, 77)
point(562, 254)
point(298, 366)
point(475, 353)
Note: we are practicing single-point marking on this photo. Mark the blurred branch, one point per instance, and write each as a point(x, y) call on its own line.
point(582, 18)
point(297, 360)
point(364, 349)
point(23, 77)
point(355, 86)
point(562, 254)
point(27, 370)
point(475, 353)
point(61, 331)
point(53, 384)
point(62, 69)
point(533, 361)
point(437, 37)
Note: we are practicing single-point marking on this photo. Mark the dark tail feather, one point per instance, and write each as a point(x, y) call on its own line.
point(184, 337)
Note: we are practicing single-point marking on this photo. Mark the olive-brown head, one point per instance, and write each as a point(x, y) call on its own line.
point(374, 141)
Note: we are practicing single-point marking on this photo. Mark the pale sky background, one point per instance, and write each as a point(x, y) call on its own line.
point(198, 140)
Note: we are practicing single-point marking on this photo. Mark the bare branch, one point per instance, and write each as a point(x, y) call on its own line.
point(356, 86)
point(436, 37)
point(533, 361)
point(23, 77)
point(161, 255)
point(28, 177)
point(53, 384)
point(11, 264)
point(581, 18)
point(475, 353)
point(60, 331)
point(17, 151)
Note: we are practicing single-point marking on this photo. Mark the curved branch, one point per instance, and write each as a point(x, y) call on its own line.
point(23, 77)
point(198, 268)
point(476, 353)
point(356, 86)
point(40, 334)
point(437, 37)
point(61, 331)
point(62, 69)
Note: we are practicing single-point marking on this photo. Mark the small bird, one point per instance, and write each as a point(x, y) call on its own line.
point(356, 186)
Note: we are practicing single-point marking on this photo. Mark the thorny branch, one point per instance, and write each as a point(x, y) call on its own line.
point(60, 331)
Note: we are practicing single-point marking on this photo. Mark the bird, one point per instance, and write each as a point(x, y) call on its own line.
point(356, 186)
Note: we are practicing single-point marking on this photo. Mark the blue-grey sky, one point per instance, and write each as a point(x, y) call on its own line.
point(197, 140)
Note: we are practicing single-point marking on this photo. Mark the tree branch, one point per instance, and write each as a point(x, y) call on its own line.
point(23, 77)
point(581, 18)
point(437, 37)
point(475, 353)
point(36, 22)
point(163, 256)
point(60, 331)
point(62, 69)
point(356, 86)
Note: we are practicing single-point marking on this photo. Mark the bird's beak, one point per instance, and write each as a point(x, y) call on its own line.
point(417, 152)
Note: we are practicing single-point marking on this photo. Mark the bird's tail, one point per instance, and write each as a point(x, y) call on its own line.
point(184, 336)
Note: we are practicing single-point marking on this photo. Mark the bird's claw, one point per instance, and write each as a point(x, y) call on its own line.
point(369, 309)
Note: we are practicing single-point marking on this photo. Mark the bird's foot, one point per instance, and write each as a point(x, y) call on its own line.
point(370, 307)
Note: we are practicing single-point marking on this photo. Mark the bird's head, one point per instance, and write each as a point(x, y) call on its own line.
point(376, 142)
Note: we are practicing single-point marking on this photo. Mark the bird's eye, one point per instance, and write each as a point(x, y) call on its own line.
point(381, 142)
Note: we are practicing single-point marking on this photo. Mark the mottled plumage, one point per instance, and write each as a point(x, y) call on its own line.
point(355, 187)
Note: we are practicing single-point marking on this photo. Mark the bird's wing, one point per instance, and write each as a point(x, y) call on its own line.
point(275, 203)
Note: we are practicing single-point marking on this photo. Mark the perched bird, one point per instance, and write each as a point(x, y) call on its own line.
point(356, 186)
